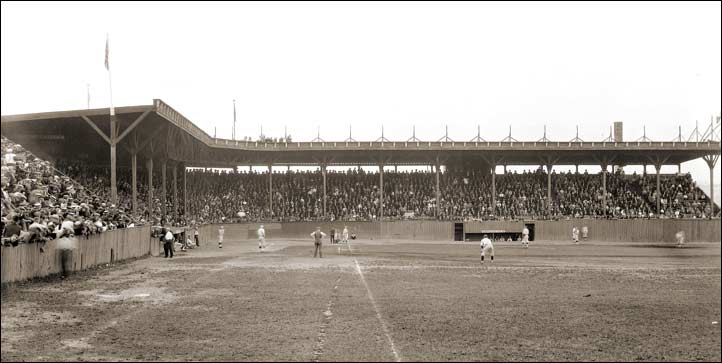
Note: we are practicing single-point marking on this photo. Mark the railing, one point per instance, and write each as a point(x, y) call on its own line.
point(180, 121)
point(465, 145)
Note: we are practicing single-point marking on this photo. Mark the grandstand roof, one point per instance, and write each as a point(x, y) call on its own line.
point(159, 131)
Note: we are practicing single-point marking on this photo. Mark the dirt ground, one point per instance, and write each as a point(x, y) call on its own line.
point(380, 301)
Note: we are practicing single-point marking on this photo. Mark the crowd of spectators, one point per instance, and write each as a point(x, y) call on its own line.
point(97, 179)
point(39, 203)
point(217, 196)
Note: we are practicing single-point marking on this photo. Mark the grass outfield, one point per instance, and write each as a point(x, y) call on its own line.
point(383, 300)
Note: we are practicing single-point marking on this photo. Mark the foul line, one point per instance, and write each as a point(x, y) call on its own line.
point(378, 313)
point(321, 338)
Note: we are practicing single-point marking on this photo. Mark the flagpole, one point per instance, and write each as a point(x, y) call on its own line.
point(110, 85)
point(113, 128)
point(234, 120)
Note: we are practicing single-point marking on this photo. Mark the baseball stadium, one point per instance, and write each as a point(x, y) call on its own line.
point(616, 266)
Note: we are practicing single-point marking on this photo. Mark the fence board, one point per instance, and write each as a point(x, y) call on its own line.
point(26, 261)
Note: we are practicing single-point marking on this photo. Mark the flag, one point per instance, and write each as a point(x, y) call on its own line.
point(107, 67)
point(107, 51)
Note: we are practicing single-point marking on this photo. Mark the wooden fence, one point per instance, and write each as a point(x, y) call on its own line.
point(637, 230)
point(631, 230)
point(414, 230)
point(25, 261)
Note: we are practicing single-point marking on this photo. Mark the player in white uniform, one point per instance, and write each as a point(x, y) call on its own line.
point(220, 237)
point(585, 233)
point(486, 246)
point(525, 237)
point(680, 238)
point(575, 234)
point(344, 239)
point(261, 239)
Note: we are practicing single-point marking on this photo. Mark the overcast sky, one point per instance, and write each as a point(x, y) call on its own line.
point(333, 65)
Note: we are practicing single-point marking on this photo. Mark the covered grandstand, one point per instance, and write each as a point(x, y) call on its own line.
point(157, 134)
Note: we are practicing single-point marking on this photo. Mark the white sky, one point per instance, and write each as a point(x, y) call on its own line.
point(366, 64)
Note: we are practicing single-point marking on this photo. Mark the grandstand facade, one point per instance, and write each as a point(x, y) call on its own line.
point(160, 138)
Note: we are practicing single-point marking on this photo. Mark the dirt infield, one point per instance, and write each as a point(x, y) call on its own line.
point(383, 300)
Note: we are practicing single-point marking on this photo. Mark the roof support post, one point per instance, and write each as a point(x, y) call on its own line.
point(438, 190)
point(150, 189)
point(711, 161)
point(658, 167)
point(164, 191)
point(323, 174)
point(658, 161)
point(493, 161)
point(113, 159)
point(185, 192)
point(270, 190)
point(604, 188)
point(381, 191)
point(549, 188)
point(134, 182)
point(493, 190)
point(175, 190)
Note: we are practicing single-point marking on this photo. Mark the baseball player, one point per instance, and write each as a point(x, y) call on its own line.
point(585, 233)
point(525, 237)
point(261, 239)
point(575, 234)
point(486, 246)
point(680, 238)
point(344, 239)
point(344, 235)
point(318, 237)
point(220, 237)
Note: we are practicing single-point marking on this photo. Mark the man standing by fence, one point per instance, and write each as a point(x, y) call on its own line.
point(318, 237)
point(261, 239)
point(195, 234)
point(575, 235)
point(221, 231)
point(168, 243)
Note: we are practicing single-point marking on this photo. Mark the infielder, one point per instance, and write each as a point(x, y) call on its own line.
point(318, 237)
point(261, 239)
point(486, 246)
point(344, 235)
point(344, 239)
point(220, 237)
point(525, 237)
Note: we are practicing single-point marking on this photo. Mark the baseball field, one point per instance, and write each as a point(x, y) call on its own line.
point(378, 300)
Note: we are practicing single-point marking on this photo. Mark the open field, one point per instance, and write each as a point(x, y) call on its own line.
point(383, 300)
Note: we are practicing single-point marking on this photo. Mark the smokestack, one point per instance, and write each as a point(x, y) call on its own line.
point(618, 135)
